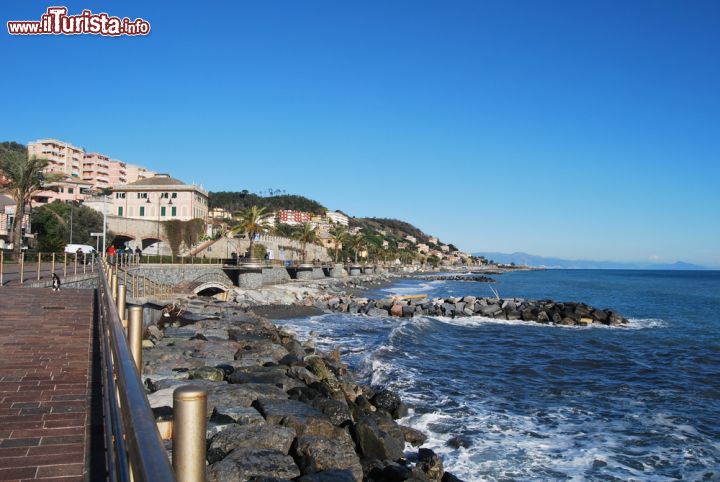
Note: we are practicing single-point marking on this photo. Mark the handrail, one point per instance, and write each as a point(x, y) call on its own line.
point(135, 438)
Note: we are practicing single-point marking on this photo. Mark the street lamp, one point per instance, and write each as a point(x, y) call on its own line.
point(158, 217)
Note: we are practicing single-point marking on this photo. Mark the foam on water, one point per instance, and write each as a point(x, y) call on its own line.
point(543, 402)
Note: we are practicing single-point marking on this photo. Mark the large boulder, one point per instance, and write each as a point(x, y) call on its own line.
point(244, 395)
point(330, 476)
point(315, 454)
point(306, 420)
point(429, 465)
point(245, 463)
point(239, 415)
point(375, 441)
point(389, 402)
point(272, 437)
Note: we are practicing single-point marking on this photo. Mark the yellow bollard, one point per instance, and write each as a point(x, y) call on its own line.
point(189, 427)
point(135, 324)
point(121, 304)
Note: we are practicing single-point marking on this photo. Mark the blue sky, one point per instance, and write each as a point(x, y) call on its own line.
point(571, 129)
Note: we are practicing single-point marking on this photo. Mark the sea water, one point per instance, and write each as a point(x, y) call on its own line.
point(505, 400)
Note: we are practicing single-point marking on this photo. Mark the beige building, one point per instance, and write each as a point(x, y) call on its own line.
point(137, 173)
point(160, 198)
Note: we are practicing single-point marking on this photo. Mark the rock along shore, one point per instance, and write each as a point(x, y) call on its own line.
point(277, 408)
point(456, 277)
point(539, 311)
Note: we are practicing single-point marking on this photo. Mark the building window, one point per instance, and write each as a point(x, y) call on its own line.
point(120, 195)
point(162, 211)
point(120, 211)
point(71, 190)
point(173, 210)
point(174, 195)
point(142, 211)
point(142, 195)
point(164, 195)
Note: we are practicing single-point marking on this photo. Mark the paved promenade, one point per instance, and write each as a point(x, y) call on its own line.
point(49, 394)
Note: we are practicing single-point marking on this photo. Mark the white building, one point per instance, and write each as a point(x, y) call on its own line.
point(337, 217)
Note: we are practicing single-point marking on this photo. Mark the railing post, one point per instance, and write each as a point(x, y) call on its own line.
point(121, 304)
point(65, 265)
point(113, 284)
point(22, 267)
point(75, 264)
point(189, 426)
point(135, 323)
point(52, 264)
point(2, 266)
point(92, 263)
point(39, 258)
point(144, 287)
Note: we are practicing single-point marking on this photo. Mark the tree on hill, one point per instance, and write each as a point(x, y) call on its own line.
point(239, 201)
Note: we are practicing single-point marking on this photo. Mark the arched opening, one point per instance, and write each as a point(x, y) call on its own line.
point(212, 292)
point(149, 242)
point(122, 241)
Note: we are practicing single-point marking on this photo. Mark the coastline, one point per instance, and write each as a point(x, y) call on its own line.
point(277, 406)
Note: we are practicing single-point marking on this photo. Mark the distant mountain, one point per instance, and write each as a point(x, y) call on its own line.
point(559, 263)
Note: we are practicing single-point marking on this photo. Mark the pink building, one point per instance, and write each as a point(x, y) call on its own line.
point(103, 172)
point(82, 172)
point(159, 198)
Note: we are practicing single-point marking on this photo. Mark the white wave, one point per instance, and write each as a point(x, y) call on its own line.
point(634, 323)
point(412, 290)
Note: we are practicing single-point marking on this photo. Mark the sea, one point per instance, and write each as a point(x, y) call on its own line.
point(505, 400)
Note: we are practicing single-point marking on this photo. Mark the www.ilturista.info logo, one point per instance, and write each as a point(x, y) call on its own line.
point(56, 21)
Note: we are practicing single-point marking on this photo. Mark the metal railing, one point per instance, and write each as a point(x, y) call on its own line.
point(132, 439)
point(31, 266)
point(134, 449)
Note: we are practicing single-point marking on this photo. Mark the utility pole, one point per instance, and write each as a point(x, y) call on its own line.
point(104, 234)
point(71, 223)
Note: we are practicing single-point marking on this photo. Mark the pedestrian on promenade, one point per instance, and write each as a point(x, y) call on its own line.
point(111, 253)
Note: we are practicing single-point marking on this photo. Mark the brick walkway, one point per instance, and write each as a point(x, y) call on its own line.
point(48, 389)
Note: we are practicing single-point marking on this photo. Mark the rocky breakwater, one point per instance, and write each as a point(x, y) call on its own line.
point(277, 408)
point(456, 277)
point(539, 311)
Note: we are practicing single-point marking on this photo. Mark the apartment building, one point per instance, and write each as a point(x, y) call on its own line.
point(82, 172)
point(337, 217)
point(160, 197)
point(287, 216)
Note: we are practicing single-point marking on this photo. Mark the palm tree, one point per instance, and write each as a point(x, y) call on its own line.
point(305, 235)
point(339, 236)
point(254, 220)
point(24, 178)
point(356, 242)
